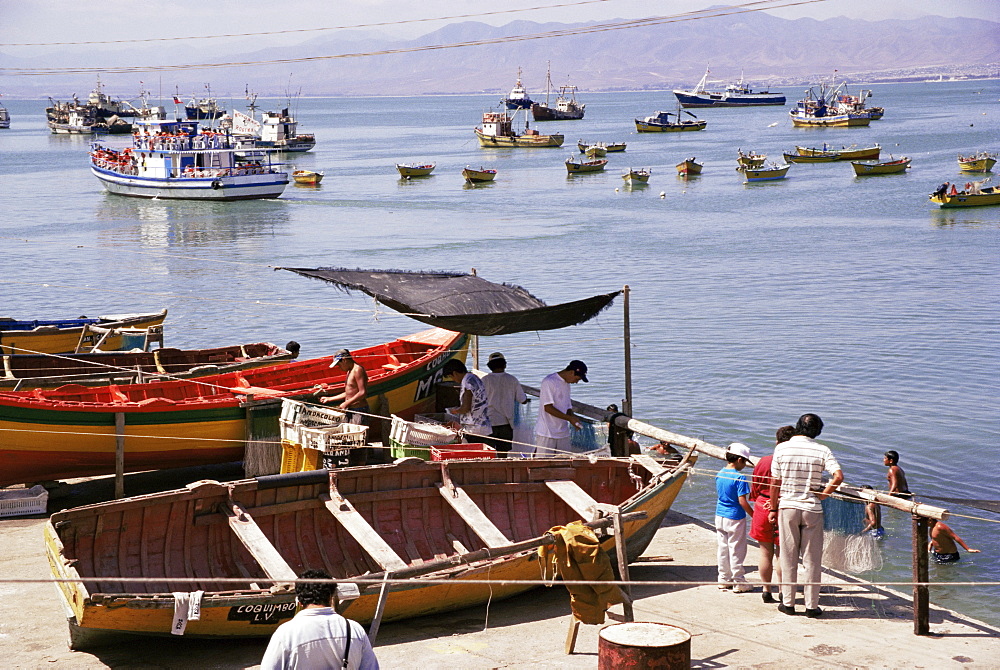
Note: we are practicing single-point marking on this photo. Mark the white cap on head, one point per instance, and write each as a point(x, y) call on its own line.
point(739, 449)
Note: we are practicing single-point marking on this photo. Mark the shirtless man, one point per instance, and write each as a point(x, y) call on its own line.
point(896, 477)
point(942, 545)
point(353, 399)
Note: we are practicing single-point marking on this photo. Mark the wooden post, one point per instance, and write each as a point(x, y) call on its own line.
point(474, 341)
point(623, 564)
point(379, 609)
point(119, 455)
point(921, 595)
point(627, 403)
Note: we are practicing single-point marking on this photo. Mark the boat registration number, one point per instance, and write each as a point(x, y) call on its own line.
point(263, 614)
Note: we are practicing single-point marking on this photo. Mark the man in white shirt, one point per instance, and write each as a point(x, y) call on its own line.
point(317, 637)
point(472, 413)
point(504, 392)
point(796, 471)
point(555, 414)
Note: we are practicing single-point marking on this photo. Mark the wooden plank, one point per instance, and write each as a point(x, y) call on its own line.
point(363, 533)
point(577, 499)
point(119, 455)
point(250, 534)
point(544, 474)
point(649, 463)
point(473, 516)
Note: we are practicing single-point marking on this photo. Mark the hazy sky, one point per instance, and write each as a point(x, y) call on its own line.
point(84, 20)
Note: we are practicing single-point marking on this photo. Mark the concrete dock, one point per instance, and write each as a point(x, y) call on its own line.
point(862, 626)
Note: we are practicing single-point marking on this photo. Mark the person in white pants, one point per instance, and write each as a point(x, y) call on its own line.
point(731, 512)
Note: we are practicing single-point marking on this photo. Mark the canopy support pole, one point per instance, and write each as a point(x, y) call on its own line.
point(474, 341)
point(627, 402)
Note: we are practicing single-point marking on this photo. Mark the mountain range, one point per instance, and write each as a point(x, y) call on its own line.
point(765, 48)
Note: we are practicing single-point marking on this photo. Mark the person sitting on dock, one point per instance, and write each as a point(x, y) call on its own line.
point(552, 434)
point(942, 545)
point(472, 412)
point(896, 477)
point(731, 511)
point(504, 393)
point(798, 465)
point(318, 637)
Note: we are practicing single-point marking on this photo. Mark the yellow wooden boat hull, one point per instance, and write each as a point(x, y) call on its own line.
point(643, 127)
point(54, 340)
point(181, 517)
point(838, 121)
point(978, 165)
point(989, 196)
point(893, 167)
point(530, 141)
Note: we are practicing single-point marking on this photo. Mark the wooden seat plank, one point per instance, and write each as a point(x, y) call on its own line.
point(473, 516)
point(649, 463)
point(363, 532)
point(253, 538)
point(574, 496)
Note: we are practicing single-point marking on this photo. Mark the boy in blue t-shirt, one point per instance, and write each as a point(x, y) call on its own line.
point(731, 518)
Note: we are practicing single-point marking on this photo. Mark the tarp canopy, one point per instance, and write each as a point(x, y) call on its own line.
point(462, 302)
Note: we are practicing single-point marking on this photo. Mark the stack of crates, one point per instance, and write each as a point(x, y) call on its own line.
point(315, 437)
point(408, 438)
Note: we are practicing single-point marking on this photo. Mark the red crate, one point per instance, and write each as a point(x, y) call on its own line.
point(472, 450)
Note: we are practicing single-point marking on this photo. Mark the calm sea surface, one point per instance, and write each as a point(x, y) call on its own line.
point(854, 298)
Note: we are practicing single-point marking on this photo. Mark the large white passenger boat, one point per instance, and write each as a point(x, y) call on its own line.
point(178, 160)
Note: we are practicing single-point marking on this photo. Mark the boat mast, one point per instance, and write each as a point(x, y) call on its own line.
point(548, 81)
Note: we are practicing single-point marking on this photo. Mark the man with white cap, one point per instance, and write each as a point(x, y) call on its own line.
point(731, 512)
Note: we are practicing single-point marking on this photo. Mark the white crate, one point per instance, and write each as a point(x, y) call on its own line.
point(333, 438)
point(421, 434)
point(297, 416)
point(20, 502)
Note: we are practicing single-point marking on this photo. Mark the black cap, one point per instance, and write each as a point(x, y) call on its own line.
point(580, 368)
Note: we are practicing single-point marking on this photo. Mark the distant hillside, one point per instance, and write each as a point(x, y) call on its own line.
point(764, 47)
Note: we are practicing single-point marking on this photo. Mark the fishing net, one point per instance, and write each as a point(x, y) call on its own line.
point(845, 546)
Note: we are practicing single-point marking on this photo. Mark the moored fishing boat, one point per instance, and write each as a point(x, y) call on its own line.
point(518, 97)
point(636, 176)
point(479, 176)
point(177, 160)
point(689, 167)
point(609, 147)
point(202, 109)
point(596, 151)
point(460, 521)
point(660, 122)
point(830, 108)
point(69, 118)
point(735, 95)
point(979, 162)
point(307, 177)
point(60, 336)
point(408, 170)
point(276, 131)
point(892, 166)
point(749, 160)
point(850, 153)
point(195, 422)
point(769, 172)
point(4, 117)
point(23, 372)
point(497, 131)
point(576, 166)
point(817, 157)
point(566, 109)
point(973, 195)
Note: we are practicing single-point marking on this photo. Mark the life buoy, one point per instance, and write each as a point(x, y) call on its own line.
point(217, 184)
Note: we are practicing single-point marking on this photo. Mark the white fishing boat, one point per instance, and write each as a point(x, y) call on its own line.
point(178, 160)
point(4, 117)
point(277, 131)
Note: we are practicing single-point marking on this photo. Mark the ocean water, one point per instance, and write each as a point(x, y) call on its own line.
point(855, 298)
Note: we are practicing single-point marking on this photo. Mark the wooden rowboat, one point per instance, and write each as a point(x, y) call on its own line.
point(634, 176)
point(985, 196)
point(609, 147)
point(896, 166)
point(843, 154)
point(766, 173)
point(688, 167)
point(981, 162)
point(479, 176)
point(750, 160)
point(811, 158)
point(30, 371)
point(60, 336)
point(660, 122)
point(574, 166)
point(197, 422)
point(307, 177)
point(454, 520)
point(408, 170)
point(596, 151)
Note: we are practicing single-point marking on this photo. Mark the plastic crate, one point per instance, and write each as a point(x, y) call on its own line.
point(471, 450)
point(20, 502)
point(420, 434)
point(441, 418)
point(296, 415)
point(401, 450)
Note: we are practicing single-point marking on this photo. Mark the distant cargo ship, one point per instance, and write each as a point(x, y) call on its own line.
point(735, 95)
